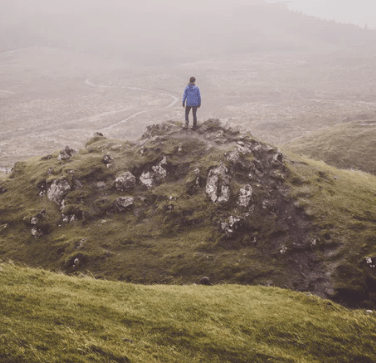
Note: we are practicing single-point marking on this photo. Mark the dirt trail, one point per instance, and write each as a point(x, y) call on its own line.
point(174, 101)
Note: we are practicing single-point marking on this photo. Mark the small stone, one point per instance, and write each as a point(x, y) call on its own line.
point(125, 182)
point(205, 281)
point(34, 221)
point(245, 195)
point(124, 203)
point(66, 153)
point(108, 159)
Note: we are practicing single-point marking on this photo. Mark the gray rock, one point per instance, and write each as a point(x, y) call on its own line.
point(108, 159)
point(278, 157)
point(101, 185)
point(233, 155)
point(225, 194)
point(124, 203)
point(66, 153)
point(157, 175)
point(229, 225)
point(205, 281)
point(125, 181)
point(217, 184)
point(147, 179)
point(160, 173)
point(57, 190)
point(245, 195)
point(36, 232)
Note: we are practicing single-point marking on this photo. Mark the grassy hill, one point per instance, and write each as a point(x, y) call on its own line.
point(347, 146)
point(49, 317)
point(179, 205)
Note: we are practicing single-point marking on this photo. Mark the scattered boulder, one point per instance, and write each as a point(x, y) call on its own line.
point(58, 190)
point(233, 156)
point(3, 190)
point(124, 203)
point(66, 153)
point(160, 173)
point(371, 262)
point(108, 159)
point(157, 174)
point(229, 226)
point(47, 157)
point(125, 182)
point(101, 185)
point(205, 281)
point(245, 195)
point(161, 129)
point(147, 179)
point(217, 184)
point(36, 232)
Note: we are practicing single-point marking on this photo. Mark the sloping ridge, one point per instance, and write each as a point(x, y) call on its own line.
point(170, 208)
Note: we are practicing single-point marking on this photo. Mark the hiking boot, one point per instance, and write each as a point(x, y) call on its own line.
point(193, 128)
point(185, 127)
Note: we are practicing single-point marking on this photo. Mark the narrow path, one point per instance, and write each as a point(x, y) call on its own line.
point(174, 100)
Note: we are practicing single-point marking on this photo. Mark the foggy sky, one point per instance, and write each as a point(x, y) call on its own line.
point(359, 12)
point(167, 30)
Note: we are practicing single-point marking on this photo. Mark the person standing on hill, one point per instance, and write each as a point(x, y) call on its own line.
point(191, 100)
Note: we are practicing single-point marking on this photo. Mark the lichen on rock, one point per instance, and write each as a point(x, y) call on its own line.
point(217, 184)
point(125, 182)
point(124, 203)
point(57, 190)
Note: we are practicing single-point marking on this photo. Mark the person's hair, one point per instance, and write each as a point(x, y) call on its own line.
point(192, 80)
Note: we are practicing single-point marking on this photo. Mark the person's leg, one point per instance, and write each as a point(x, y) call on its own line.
point(194, 111)
point(187, 110)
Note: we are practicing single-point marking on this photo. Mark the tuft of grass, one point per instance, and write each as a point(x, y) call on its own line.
point(49, 317)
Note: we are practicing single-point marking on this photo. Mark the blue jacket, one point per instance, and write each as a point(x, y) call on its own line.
point(192, 95)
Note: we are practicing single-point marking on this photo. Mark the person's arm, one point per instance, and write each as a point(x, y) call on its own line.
point(199, 97)
point(184, 96)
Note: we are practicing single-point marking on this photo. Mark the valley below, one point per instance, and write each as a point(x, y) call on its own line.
point(51, 98)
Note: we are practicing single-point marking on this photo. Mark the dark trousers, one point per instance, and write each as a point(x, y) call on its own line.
point(194, 111)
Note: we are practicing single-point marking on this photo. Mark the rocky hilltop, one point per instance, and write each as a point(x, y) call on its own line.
point(179, 205)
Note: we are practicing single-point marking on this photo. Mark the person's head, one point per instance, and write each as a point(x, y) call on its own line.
point(192, 80)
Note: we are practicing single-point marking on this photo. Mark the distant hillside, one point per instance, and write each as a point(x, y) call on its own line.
point(179, 205)
point(54, 318)
point(164, 33)
point(350, 145)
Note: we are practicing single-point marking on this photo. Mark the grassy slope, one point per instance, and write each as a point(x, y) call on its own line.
point(147, 246)
point(151, 245)
point(343, 204)
point(49, 317)
point(349, 146)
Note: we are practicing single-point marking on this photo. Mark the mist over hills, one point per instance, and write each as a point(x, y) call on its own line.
point(166, 33)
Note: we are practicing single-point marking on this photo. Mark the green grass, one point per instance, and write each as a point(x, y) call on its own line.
point(49, 317)
point(343, 204)
point(348, 146)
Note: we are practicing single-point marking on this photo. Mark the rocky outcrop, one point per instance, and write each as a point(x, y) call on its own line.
point(57, 191)
point(156, 175)
point(125, 182)
point(124, 203)
point(217, 184)
point(245, 196)
point(66, 153)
